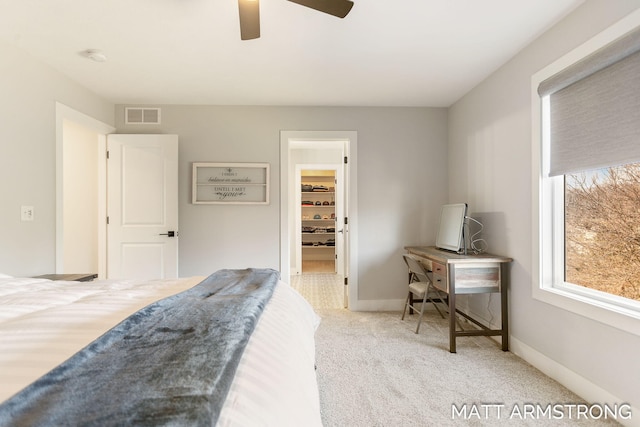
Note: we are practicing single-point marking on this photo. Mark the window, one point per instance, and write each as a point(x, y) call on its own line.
point(586, 179)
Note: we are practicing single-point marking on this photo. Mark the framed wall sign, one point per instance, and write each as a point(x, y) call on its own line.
point(230, 183)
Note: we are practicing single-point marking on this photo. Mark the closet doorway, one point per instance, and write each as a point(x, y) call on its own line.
point(320, 219)
point(320, 151)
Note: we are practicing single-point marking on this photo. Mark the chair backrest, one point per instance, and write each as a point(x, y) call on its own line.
point(416, 268)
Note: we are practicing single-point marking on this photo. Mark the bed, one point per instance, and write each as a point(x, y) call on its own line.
point(47, 326)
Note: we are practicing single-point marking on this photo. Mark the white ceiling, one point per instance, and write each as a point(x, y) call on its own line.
point(384, 53)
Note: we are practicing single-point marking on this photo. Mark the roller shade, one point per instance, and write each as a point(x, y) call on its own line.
point(595, 109)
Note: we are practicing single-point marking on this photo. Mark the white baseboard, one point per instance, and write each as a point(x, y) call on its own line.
point(377, 305)
point(584, 388)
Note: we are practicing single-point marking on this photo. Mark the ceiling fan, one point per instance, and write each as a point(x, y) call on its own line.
point(250, 13)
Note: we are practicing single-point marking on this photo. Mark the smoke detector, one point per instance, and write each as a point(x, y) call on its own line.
point(95, 55)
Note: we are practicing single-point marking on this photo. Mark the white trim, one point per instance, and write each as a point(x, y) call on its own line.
point(571, 380)
point(350, 140)
point(102, 206)
point(297, 182)
point(380, 305)
point(66, 113)
point(544, 266)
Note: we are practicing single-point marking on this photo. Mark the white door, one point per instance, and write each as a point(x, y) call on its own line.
point(142, 206)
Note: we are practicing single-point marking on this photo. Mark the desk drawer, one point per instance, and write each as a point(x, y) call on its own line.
point(440, 276)
point(438, 268)
point(440, 282)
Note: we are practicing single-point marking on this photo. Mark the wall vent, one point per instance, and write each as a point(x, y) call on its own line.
point(141, 116)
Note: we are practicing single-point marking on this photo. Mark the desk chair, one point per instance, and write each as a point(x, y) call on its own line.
point(420, 287)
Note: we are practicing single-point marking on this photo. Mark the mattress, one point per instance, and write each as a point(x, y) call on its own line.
point(43, 323)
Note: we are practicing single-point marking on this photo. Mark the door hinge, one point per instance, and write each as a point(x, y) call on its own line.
point(346, 281)
point(346, 220)
point(346, 160)
point(107, 154)
point(107, 220)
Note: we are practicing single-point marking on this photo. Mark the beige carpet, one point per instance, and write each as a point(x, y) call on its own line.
point(374, 371)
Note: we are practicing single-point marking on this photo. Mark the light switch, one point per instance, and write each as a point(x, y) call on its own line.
point(26, 213)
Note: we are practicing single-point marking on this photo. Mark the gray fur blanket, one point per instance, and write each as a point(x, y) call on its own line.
point(171, 363)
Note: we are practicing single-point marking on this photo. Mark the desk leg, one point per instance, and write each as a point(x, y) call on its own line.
point(451, 274)
point(504, 306)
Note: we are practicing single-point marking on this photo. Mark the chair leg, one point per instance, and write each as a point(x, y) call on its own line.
point(405, 306)
point(424, 302)
point(411, 280)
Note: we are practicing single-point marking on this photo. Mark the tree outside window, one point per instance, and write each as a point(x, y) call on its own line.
point(602, 230)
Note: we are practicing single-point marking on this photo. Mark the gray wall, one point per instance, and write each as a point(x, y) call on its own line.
point(401, 184)
point(27, 148)
point(490, 167)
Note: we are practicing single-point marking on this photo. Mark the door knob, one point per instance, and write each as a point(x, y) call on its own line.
point(168, 233)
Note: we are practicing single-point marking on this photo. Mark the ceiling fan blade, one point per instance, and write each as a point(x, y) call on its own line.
point(249, 19)
point(339, 8)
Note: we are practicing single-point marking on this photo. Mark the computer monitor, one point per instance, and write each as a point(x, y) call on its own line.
point(451, 226)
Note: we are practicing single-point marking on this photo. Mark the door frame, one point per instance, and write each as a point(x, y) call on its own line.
point(65, 113)
point(348, 141)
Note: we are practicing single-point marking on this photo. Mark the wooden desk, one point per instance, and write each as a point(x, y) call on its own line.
point(457, 274)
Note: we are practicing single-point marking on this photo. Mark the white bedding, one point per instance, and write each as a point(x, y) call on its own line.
point(42, 323)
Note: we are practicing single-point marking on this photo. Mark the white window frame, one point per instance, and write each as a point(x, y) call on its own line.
point(548, 209)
